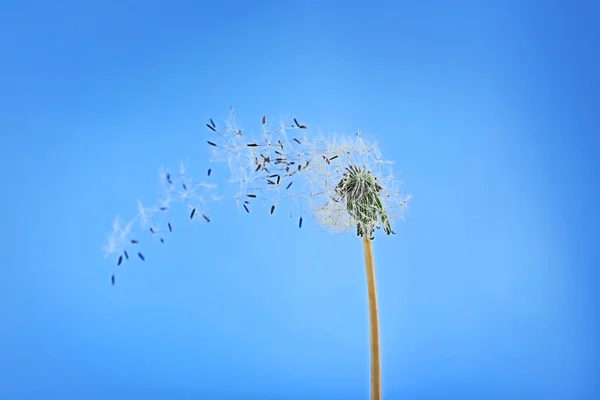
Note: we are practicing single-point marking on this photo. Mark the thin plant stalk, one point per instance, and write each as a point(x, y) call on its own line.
point(373, 320)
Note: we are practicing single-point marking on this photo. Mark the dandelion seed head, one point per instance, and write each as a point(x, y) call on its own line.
point(343, 180)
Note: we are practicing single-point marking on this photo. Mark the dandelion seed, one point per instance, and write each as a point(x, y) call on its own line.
point(120, 260)
point(246, 208)
point(258, 167)
point(251, 196)
point(152, 231)
point(164, 208)
point(126, 255)
point(288, 186)
point(264, 119)
point(133, 241)
point(206, 218)
point(333, 158)
point(278, 179)
point(211, 128)
point(272, 209)
point(296, 122)
point(209, 171)
point(252, 145)
point(112, 280)
point(193, 212)
point(141, 256)
point(270, 182)
point(170, 227)
point(162, 240)
point(212, 123)
point(184, 187)
point(297, 141)
point(300, 223)
point(211, 143)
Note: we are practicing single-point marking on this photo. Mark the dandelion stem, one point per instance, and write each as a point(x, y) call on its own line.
point(373, 320)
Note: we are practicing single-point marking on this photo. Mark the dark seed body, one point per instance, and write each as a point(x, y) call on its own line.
point(272, 209)
point(141, 256)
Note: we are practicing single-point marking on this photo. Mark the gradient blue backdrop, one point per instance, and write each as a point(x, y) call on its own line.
point(489, 290)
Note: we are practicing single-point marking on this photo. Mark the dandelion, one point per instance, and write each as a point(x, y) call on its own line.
point(344, 180)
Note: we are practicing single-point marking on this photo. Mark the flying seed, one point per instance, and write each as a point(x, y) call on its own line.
point(184, 187)
point(258, 167)
point(299, 167)
point(297, 124)
point(112, 280)
point(251, 195)
point(212, 123)
point(246, 208)
point(211, 143)
point(300, 223)
point(272, 209)
point(120, 260)
point(333, 158)
point(169, 179)
point(193, 212)
point(141, 256)
point(278, 179)
point(133, 241)
point(264, 119)
point(209, 171)
point(246, 202)
point(163, 208)
point(162, 240)
point(211, 128)
point(252, 145)
point(288, 186)
point(170, 227)
point(302, 126)
point(206, 218)
point(126, 255)
point(297, 141)
point(152, 230)
point(270, 182)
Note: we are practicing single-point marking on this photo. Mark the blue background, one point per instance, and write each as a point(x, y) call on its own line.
point(489, 290)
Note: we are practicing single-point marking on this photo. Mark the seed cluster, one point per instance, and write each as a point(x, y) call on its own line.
point(344, 180)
